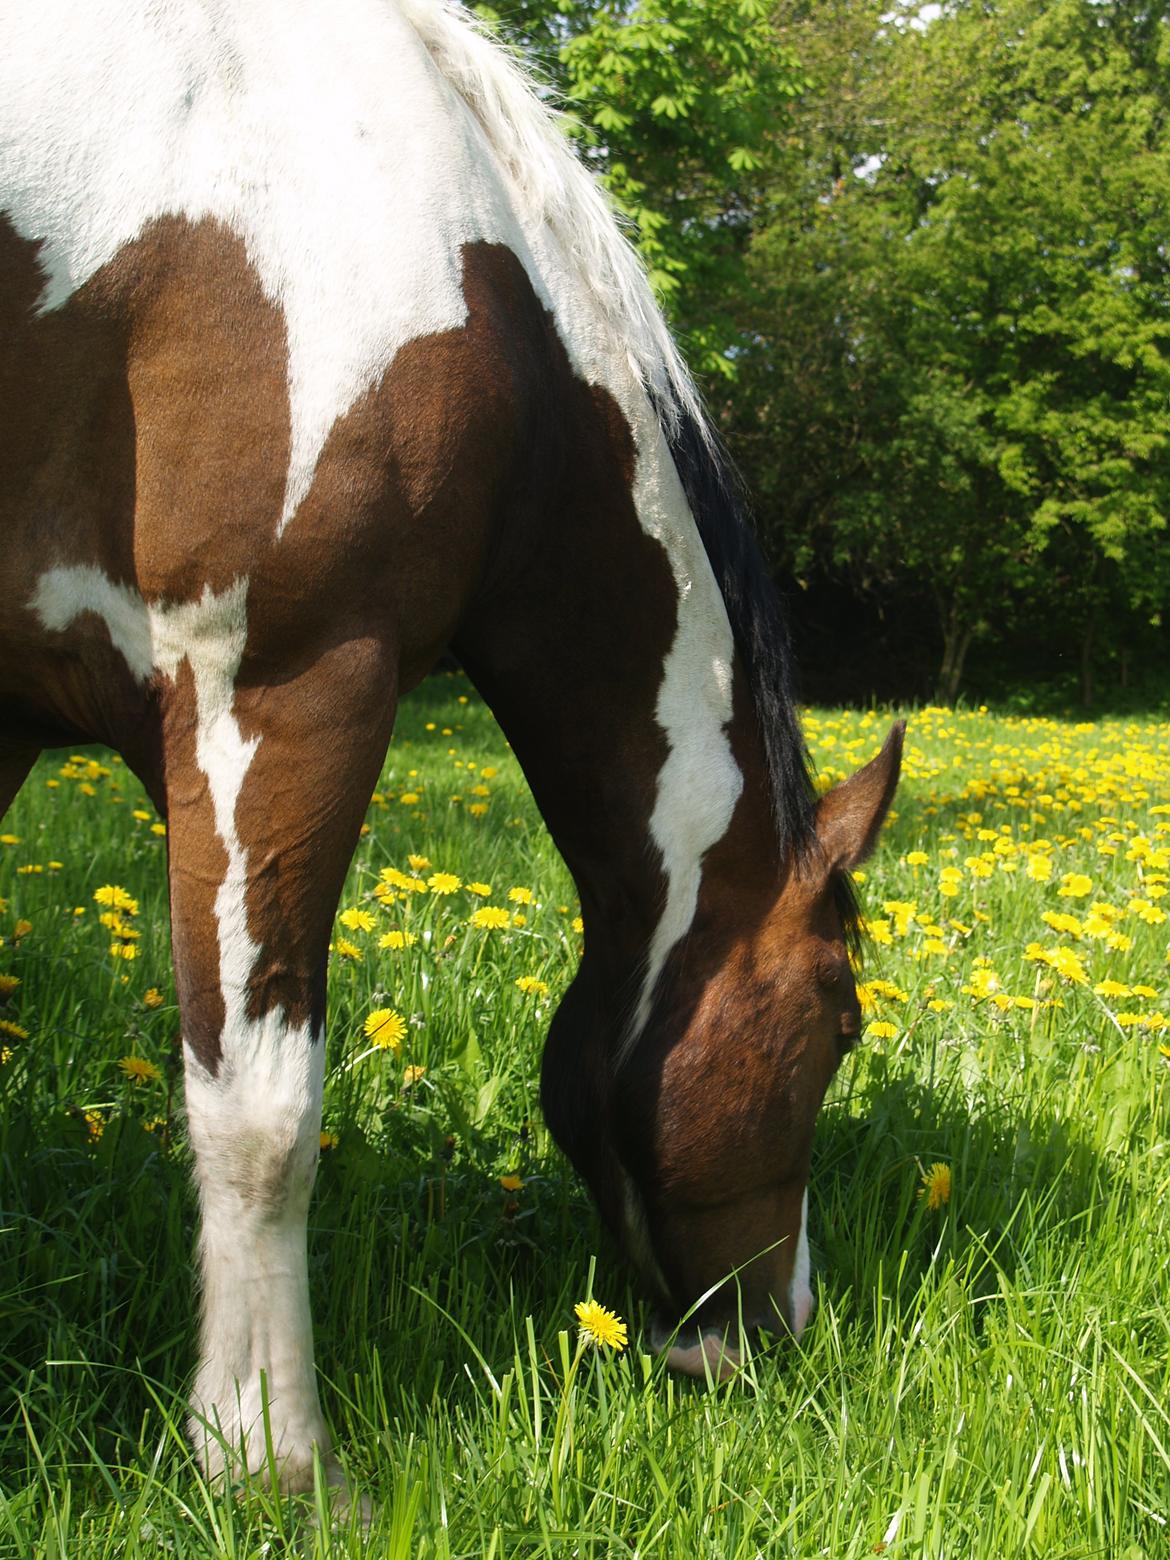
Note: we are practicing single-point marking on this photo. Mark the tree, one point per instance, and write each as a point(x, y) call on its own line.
point(959, 371)
point(677, 102)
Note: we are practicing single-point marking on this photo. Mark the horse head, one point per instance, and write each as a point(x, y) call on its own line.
point(696, 1138)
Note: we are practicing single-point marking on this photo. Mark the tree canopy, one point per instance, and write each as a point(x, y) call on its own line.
point(919, 258)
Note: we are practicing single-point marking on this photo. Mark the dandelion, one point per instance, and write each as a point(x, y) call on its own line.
point(152, 997)
point(344, 949)
point(12, 1030)
point(329, 1140)
point(443, 883)
point(477, 809)
point(411, 1075)
point(21, 929)
point(483, 890)
point(599, 1326)
point(917, 858)
point(520, 896)
point(123, 950)
point(532, 987)
point(116, 898)
point(138, 1070)
point(936, 1185)
point(386, 1028)
point(418, 863)
point(397, 940)
point(491, 918)
point(577, 924)
point(511, 1183)
point(1074, 885)
point(356, 920)
point(881, 1030)
point(8, 984)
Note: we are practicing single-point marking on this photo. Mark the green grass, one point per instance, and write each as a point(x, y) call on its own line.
point(985, 1378)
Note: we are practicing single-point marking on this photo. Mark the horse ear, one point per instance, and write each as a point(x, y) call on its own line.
point(850, 816)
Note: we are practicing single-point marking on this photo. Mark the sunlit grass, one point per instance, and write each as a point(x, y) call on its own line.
point(984, 1377)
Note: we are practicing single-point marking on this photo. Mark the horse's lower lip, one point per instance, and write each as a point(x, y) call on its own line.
point(703, 1352)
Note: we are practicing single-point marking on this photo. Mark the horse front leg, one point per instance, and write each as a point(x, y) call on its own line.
point(267, 787)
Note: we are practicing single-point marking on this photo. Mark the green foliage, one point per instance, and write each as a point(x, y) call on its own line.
point(677, 103)
point(961, 369)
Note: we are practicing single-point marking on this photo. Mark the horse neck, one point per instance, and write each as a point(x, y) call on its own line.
point(601, 641)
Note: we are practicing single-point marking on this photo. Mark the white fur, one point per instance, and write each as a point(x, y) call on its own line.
point(254, 1125)
point(800, 1297)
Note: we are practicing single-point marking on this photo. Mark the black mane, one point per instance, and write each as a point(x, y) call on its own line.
point(757, 622)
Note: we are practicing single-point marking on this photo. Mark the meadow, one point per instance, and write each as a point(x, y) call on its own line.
point(987, 1372)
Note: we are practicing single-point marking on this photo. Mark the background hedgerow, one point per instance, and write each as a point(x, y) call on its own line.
point(987, 1371)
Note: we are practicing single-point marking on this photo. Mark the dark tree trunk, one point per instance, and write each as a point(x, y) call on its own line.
point(957, 636)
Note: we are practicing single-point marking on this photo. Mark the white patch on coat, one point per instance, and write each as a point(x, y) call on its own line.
point(255, 1124)
point(800, 1299)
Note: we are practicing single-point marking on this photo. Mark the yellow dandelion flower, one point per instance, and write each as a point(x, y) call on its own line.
point(484, 890)
point(139, 1070)
point(8, 984)
point(397, 940)
point(881, 1030)
point(409, 799)
point(386, 1028)
point(411, 1075)
point(443, 883)
point(940, 1004)
point(152, 997)
point(599, 1326)
point(511, 1183)
point(418, 863)
point(116, 898)
point(1060, 922)
point(344, 949)
point(936, 1185)
point(357, 920)
point(477, 809)
point(12, 1030)
point(123, 950)
point(520, 896)
point(1144, 991)
point(158, 828)
point(532, 987)
point(490, 917)
point(1074, 885)
point(1112, 988)
point(21, 929)
point(917, 858)
point(329, 1140)
point(577, 924)
point(490, 773)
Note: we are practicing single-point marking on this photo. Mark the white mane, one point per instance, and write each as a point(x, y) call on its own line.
point(553, 187)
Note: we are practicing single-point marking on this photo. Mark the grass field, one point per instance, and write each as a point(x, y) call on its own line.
point(988, 1369)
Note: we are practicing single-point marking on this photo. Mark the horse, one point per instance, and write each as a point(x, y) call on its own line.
point(322, 355)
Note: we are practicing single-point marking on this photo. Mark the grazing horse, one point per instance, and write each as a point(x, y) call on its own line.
point(320, 353)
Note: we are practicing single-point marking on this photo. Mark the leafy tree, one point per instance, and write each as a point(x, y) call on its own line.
point(677, 103)
point(961, 373)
